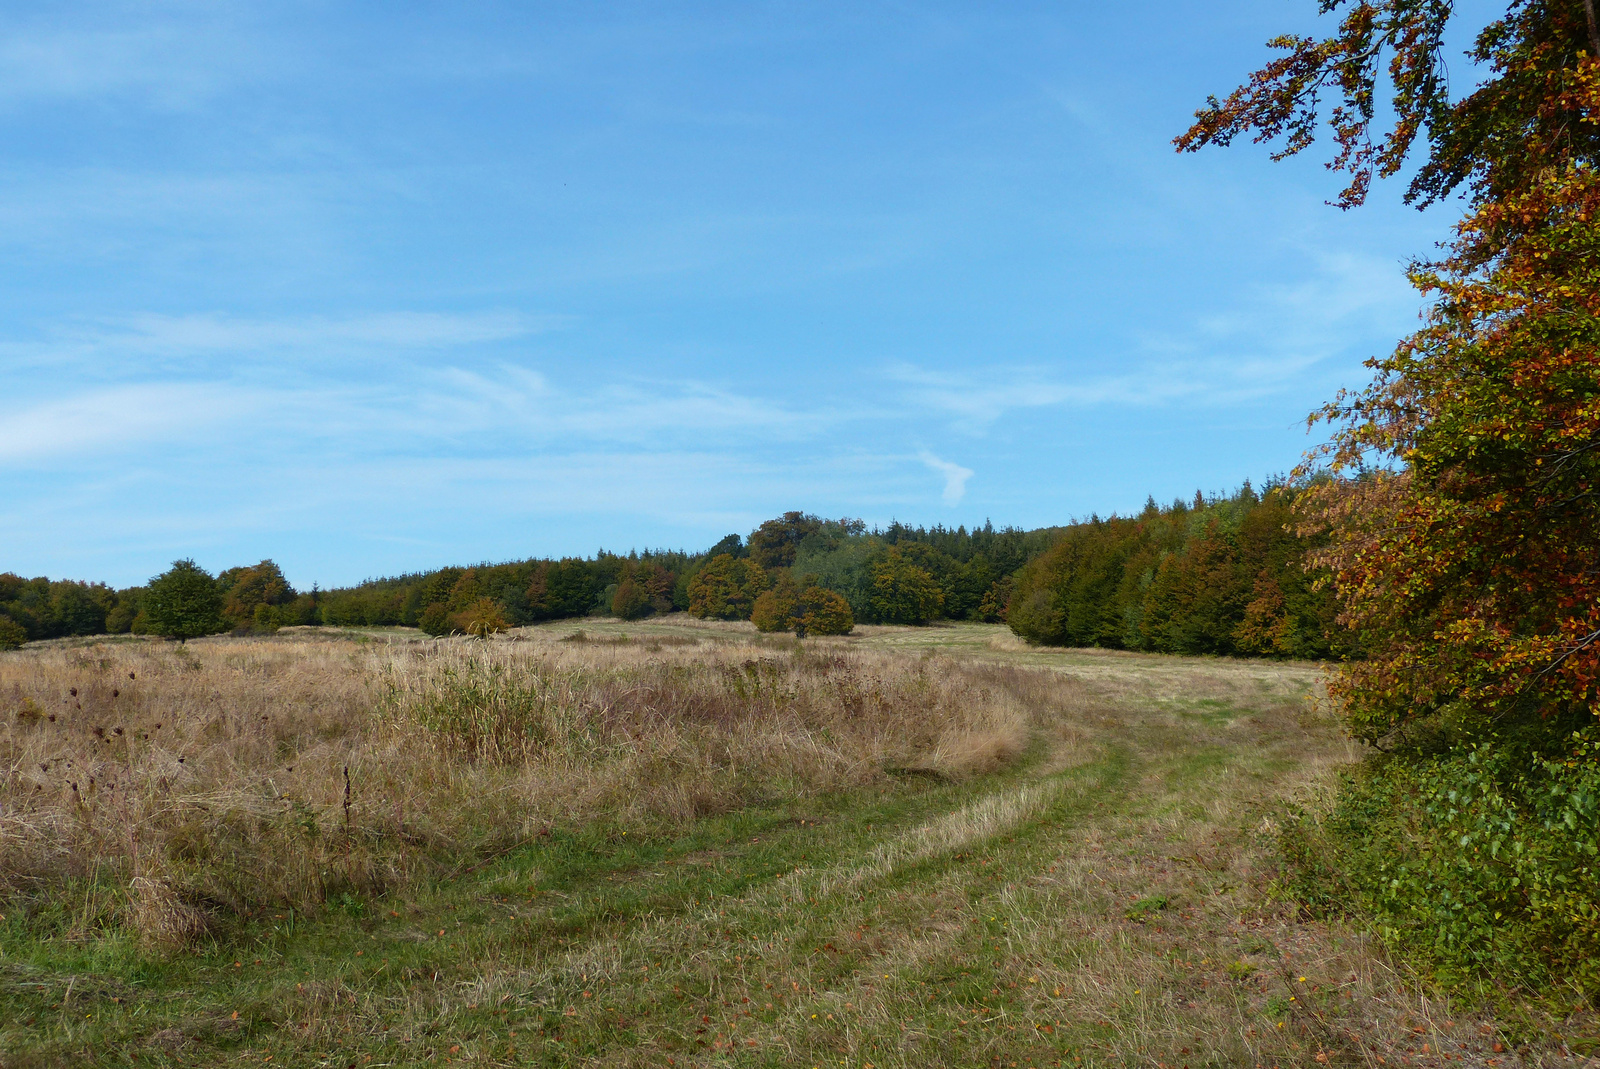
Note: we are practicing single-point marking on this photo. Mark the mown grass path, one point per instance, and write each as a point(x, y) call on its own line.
point(1103, 902)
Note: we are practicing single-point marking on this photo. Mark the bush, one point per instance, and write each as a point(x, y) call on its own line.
point(482, 617)
point(12, 634)
point(1482, 861)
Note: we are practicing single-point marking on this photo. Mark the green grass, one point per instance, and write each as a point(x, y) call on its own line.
point(1104, 902)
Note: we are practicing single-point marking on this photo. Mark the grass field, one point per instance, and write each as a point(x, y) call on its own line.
point(677, 844)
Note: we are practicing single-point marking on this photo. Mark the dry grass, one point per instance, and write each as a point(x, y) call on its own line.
point(1107, 902)
point(231, 775)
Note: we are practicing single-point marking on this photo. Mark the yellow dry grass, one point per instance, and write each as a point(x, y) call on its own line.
point(230, 775)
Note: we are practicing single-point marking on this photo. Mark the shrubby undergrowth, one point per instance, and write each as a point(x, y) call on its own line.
point(1480, 859)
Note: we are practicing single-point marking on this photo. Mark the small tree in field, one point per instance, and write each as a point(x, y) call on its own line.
point(184, 602)
point(806, 609)
point(774, 610)
point(482, 618)
point(821, 611)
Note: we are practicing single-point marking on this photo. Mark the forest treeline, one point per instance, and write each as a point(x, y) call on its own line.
point(1221, 575)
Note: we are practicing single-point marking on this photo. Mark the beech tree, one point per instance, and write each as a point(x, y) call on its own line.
point(247, 591)
point(775, 543)
point(1466, 526)
point(726, 588)
point(903, 593)
point(806, 608)
point(183, 602)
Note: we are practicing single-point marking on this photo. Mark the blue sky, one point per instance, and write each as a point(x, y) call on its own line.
point(371, 288)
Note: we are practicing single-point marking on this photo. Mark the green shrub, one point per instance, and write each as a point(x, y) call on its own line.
point(12, 634)
point(1484, 861)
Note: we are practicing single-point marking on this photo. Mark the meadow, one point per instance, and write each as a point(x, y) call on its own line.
point(678, 843)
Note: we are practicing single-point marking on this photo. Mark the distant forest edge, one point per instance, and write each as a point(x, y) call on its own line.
point(1221, 575)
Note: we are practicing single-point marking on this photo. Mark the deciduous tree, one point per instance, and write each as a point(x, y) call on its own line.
point(1465, 534)
point(726, 588)
point(903, 593)
point(183, 602)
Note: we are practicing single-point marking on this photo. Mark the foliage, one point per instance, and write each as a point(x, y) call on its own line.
point(255, 597)
point(482, 617)
point(726, 588)
point(902, 592)
point(774, 610)
point(1220, 577)
point(775, 543)
point(631, 601)
point(992, 607)
point(972, 574)
point(12, 634)
point(806, 608)
point(1482, 859)
point(822, 612)
point(1463, 551)
point(965, 565)
point(435, 619)
point(1464, 524)
point(46, 608)
point(1500, 139)
point(184, 602)
point(1471, 568)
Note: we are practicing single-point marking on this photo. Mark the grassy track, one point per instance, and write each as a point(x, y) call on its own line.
point(1104, 901)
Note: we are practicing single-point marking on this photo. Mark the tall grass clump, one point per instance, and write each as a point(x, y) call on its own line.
point(219, 779)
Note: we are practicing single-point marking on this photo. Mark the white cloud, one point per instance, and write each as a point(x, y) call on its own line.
point(123, 419)
point(497, 411)
point(165, 56)
point(955, 476)
point(394, 330)
point(131, 342)
point(1263, 346)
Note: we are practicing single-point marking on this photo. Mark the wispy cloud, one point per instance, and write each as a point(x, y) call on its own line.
point(169, 57)
point(405, 330)
point(1262, 346)
point(955, 476)
point(125, 419)
point(140, 343)
point(498, 411)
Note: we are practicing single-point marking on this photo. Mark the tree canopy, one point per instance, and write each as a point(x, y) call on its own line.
point(184, 602)
point(1466, 525)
